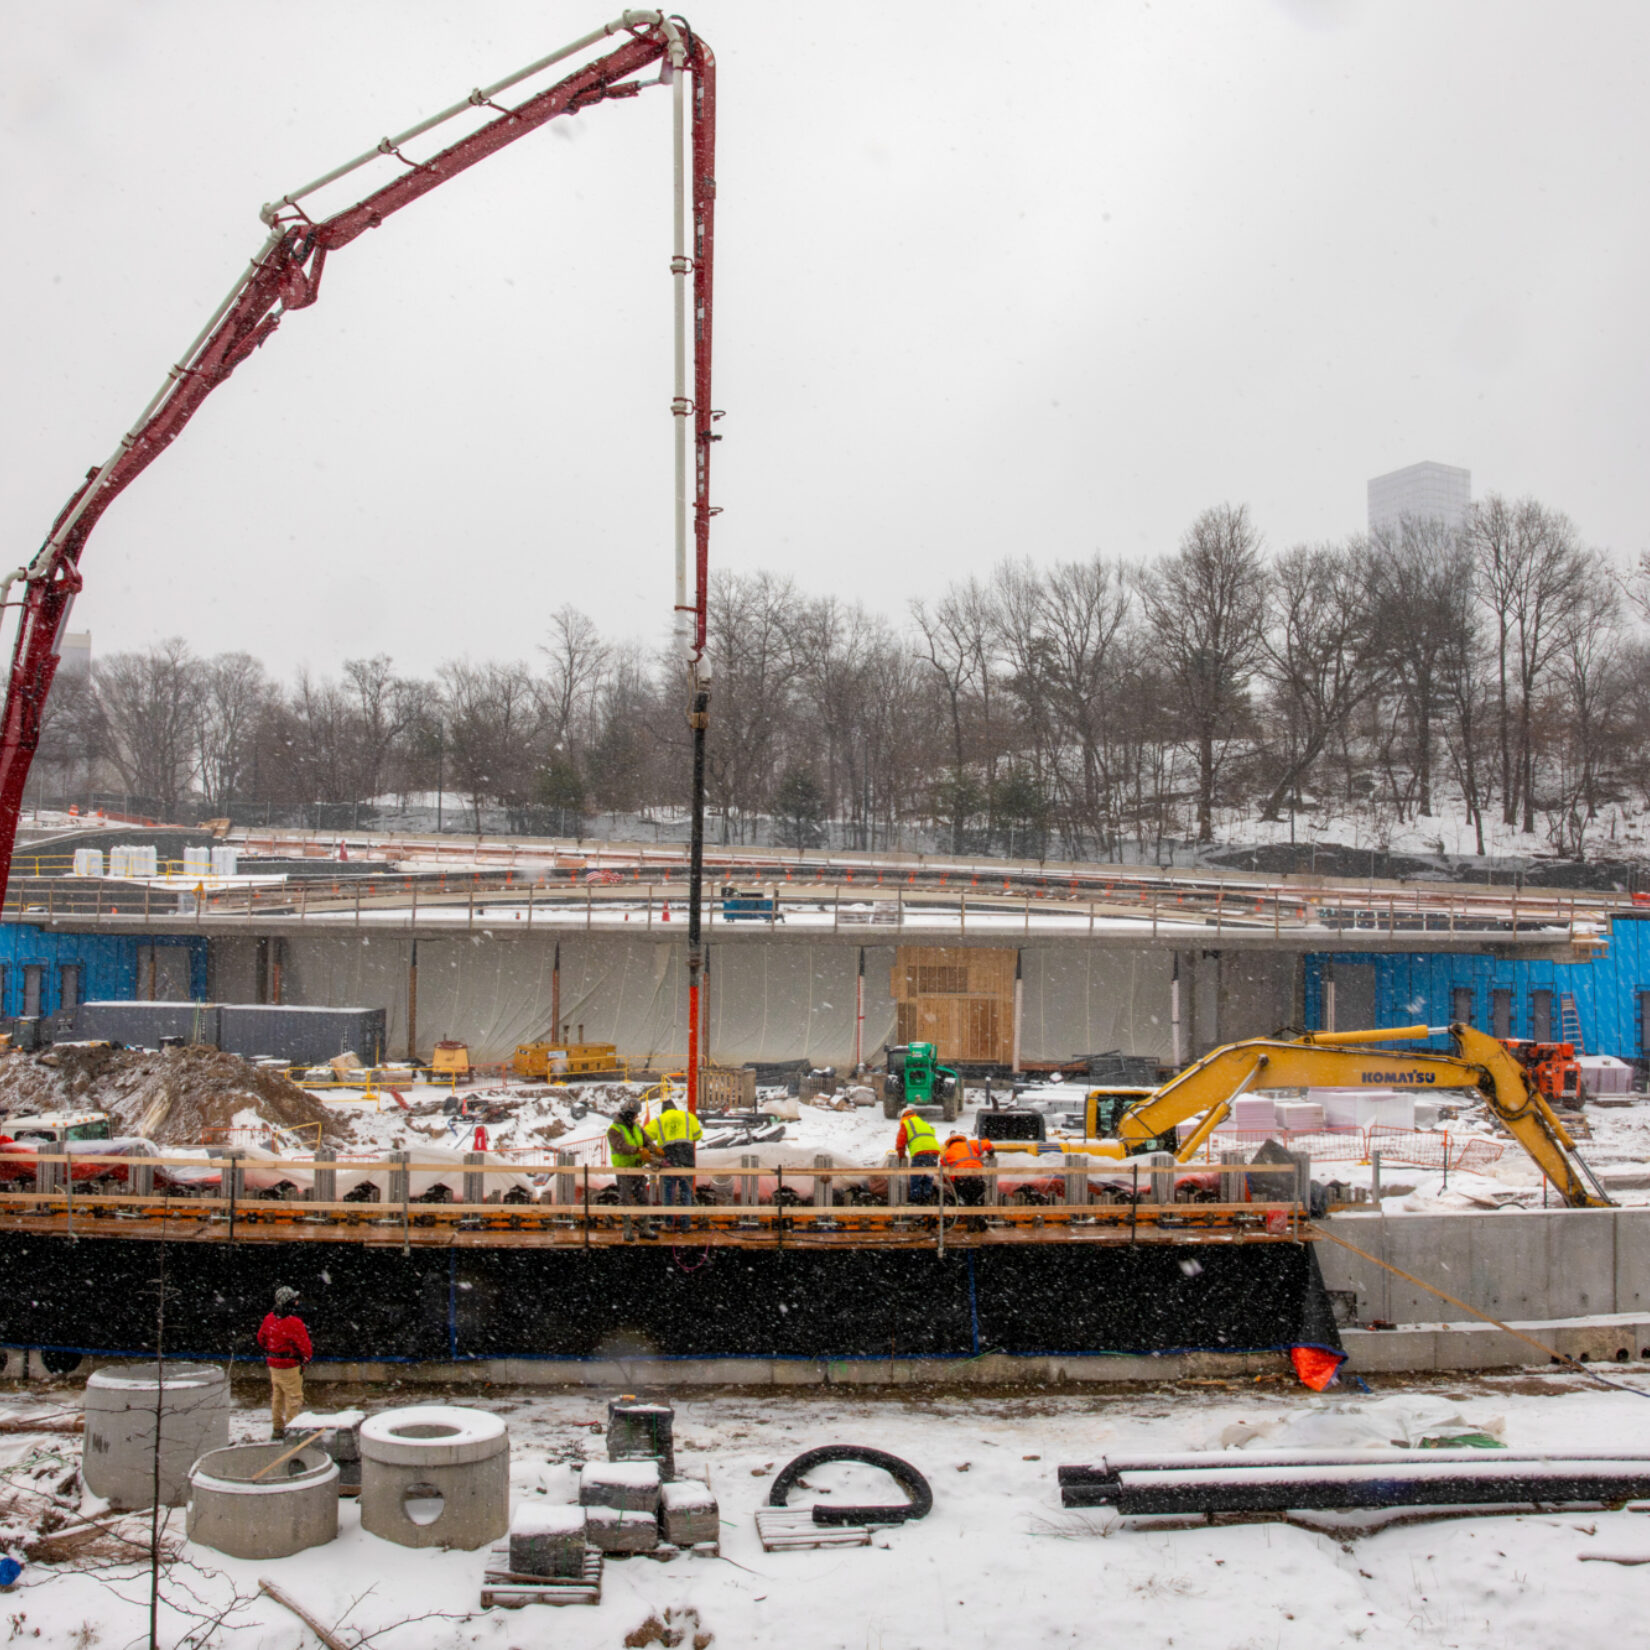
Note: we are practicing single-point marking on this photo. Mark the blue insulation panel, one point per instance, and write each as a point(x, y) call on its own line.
point(1418, 987)
point(108, 964)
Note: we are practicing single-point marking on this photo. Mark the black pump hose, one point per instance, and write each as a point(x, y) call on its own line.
point(920, 1504)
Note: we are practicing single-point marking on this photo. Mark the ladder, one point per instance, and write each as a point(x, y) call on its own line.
point(1570, 1022)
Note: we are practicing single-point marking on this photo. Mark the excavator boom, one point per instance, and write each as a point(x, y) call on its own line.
point(1346, 1060)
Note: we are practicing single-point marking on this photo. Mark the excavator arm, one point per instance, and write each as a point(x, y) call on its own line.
point(1344, 1060)
point(285, 275)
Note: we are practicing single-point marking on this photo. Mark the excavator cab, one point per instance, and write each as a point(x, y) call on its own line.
point(1103, 1113)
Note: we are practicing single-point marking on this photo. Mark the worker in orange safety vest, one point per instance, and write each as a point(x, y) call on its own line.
point(964, 1161)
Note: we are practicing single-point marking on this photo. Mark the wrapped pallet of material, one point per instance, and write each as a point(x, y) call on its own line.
point(1254, 1111)
point(88, 862)
point(1300, 1116)
point(225, 861)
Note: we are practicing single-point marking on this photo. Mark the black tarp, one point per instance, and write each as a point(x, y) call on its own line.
point(367, 1303)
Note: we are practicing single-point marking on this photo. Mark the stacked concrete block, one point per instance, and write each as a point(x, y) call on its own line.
point(612, 1530)
point(621, 1502)
point(340, 1431)
point(548, 1541)
point(637, 1431)
point(688, 1513)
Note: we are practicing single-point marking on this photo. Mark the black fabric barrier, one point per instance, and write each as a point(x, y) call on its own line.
point(98, 1295)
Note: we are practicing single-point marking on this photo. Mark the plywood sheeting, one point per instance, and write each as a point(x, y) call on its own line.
point(960, 998)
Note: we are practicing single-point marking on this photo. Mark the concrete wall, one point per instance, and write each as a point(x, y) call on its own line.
point(1230, 995)
point(767, 1001)
point(1531, 1264)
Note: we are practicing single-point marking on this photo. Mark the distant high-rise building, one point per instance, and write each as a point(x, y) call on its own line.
point(1439, 491)
point(76, 657)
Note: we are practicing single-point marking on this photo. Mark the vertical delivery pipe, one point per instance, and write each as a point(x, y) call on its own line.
point(1019, 1010)
point(1175, 1055)
point(859, 1015)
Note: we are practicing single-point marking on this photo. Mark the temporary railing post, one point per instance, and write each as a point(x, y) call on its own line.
point(1375, 1179)
point(749, 1186)
point(565, 1187)
point(529, 908)
point(1232, 1180)
point(588, 897)
point(325, 1180)
point(1077, 1180)
point(475, 1183)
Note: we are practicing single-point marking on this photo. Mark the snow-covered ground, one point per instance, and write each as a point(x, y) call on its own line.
point(998, 1563)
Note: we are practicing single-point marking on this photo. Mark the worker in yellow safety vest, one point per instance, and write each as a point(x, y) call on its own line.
point(629, 1148)
point(675, 1134)
point(918, 1147)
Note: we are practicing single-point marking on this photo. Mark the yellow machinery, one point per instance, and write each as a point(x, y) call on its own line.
point(552, 1060)
point(451, 1060)
point(1328, 1059)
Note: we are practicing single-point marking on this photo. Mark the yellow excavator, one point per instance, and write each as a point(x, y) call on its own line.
point(1344, 1059)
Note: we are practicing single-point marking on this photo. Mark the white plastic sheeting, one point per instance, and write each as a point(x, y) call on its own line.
point(768, 1000)
point(1085, 999)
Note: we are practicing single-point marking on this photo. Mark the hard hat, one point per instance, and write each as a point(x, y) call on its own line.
point(285, 1296)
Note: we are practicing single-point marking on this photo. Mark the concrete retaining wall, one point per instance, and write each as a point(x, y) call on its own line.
point(1529, 1265)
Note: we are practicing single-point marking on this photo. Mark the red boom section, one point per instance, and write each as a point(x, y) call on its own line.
point(286, 276)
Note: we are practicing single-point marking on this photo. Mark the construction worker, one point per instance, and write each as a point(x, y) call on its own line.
point(918, 1147)
point(965, 1162)
point(675, 1133)
point(286, 1347)
point(629, 1148)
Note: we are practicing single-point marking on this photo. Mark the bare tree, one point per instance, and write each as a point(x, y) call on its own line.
point(1206, 606)
point(751, 629)
point(1320, 653)
point(1533, 577)
point(576, 660)
point(1421, 568)
point(148, 707)
point(957, 635)
point(234, 695)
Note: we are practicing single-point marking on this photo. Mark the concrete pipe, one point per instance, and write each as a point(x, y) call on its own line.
point(436, 1475)
point(118, 1454)
point(234, 1511)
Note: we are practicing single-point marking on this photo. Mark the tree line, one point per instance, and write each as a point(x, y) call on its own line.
point(1093, 708)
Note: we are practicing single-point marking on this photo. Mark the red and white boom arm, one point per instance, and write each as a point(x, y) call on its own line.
point(285, 275)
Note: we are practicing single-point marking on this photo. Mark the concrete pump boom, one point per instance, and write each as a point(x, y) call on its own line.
point(285, 275)
point(1327, 1059)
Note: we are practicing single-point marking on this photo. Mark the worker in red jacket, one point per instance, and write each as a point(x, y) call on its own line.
point(286, 1348)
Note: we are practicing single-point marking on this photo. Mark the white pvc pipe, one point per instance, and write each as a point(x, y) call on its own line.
point(680, 406)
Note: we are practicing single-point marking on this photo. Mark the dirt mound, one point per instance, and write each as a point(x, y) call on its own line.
point(172, 1096)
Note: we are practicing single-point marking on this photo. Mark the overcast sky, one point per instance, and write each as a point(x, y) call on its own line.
point(992, 280)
